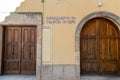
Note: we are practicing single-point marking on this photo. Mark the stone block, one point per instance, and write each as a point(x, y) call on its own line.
point(58, 72)
point(46, 73)
point(69, 72)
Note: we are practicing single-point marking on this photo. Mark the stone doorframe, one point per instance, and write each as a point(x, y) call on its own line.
point(102, 14)
point(21, 19)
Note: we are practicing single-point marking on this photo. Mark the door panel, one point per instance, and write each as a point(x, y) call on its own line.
point(12, 50)
point(109, 45)
point(20, 50)
point(99, 47)
point(29, 50)
point(110, 52)
point(109, 57)
point(89, 61)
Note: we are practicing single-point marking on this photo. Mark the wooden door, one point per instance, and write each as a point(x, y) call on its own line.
point(108, 49)
point(88, 48)
point(20, 50)
point(99, 47)
point(28, 59)
point(12, 50)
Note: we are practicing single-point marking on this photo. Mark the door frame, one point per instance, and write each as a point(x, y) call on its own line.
point(25, 19)
point(101, 14)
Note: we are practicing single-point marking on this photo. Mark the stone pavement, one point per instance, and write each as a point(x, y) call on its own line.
point(32, 77)
point(17, 77)
point(97, 77)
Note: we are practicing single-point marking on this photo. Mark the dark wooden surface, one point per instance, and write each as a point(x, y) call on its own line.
point(99, 47)
point(19, 55)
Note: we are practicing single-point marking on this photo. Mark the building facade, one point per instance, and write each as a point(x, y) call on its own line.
point(61, 39)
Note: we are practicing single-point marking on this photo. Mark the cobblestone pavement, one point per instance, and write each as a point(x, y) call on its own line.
point(17, 77)
point(86, 77)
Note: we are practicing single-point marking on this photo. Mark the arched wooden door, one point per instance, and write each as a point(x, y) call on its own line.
point(99, 47)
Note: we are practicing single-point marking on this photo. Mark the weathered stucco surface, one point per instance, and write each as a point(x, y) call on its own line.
point(21, 19)
point(63, 35)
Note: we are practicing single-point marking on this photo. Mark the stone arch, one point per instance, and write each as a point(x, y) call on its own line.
point(102, 14)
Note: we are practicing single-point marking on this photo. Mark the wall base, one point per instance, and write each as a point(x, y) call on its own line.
point(60, 72)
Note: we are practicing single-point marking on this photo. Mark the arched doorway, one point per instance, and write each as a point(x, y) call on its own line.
point(99, 47)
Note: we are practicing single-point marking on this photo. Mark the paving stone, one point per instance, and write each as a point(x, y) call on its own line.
point(32, 77)
point(100, 78)
point(17, 77)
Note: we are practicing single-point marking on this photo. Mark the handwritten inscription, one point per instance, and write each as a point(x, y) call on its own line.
point(61, 20)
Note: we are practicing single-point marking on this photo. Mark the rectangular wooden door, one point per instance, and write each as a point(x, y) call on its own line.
point(20, 50)
point(28, 58)
point(12, 50)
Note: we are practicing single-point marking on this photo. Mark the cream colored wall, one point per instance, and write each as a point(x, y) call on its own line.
point(30, 6)
point(63, 35)
point(47, 45)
